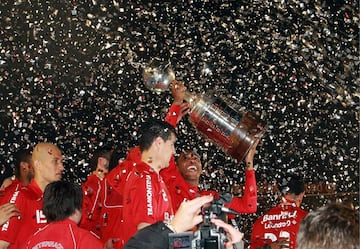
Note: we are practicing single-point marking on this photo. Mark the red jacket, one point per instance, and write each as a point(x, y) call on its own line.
point(180, 189)
point(280, 221)
point(92, 190)
point(29, 200)
point(6, 194)
point(146, 199)
point(112, 208)
point(63, 234)
point(113, 187)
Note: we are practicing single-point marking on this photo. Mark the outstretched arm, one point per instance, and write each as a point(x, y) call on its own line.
point(249, 159)
point(248, 202)
point(179, 108)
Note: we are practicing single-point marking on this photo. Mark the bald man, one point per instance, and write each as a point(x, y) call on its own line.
point(48, 167)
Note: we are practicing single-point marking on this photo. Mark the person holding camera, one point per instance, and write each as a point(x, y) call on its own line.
point(156, 236)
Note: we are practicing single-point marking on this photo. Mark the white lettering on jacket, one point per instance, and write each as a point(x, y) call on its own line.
point(14, 196)
point(5, 227)
point(149, 200)
point(278, 224)
point(40, 217)
point(47, 244)
point(164, 196)
point(281, 216)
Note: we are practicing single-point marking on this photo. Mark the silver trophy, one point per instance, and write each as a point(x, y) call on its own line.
point(213, 116)
point(158, 79)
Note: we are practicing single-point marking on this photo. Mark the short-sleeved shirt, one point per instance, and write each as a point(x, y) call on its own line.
point(29, 200)
point(146, 199)
point(63, 234)
point(280, 221)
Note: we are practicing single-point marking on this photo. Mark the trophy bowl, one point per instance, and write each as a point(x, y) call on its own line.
point(157, 79)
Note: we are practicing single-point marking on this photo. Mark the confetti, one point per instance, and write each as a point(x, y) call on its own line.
point(70, 73)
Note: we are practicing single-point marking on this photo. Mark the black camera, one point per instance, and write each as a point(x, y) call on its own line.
point(207, 236)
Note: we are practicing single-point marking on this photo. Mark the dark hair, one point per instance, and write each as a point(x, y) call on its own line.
point(332, 226)
point(117, 154)
point(61, 199)
point(152, 129)
point(104, 152)
point(22, 155)
point(292, 184)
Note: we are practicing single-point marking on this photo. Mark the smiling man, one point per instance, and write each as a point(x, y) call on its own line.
point(189, 165)
point(48, 167)
point(183, 177)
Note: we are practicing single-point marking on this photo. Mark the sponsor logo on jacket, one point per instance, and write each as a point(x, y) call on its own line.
point(149, 195)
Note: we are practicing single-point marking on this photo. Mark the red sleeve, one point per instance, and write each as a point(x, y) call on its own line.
point(88, 240)
point(173, 114)
point(10, 229)
point(91, 206)
point(117, 176)
point(248, 202)
point(135, 196)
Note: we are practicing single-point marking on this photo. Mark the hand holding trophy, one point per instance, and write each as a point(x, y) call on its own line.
point(213, 116)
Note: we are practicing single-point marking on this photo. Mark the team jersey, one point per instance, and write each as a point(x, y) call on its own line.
point(146, 199)
point(282, 221)
point(29, 200)
point(112, 208)
point(180, 189)
point(91, 219)
point(8, 192)
point(112, 211)
point(63, 234)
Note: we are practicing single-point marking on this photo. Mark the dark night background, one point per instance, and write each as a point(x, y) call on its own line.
point(71, 74)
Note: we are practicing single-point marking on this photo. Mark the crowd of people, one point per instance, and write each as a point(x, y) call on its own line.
point(149, 195)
